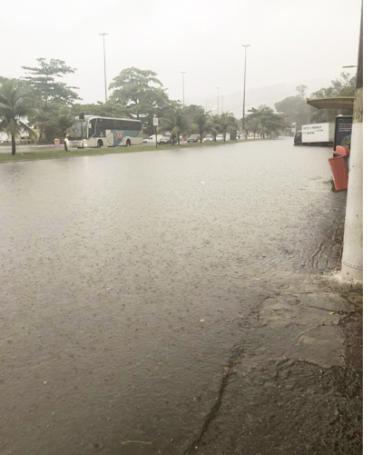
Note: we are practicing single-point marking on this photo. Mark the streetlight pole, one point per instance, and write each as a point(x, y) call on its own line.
point(103, 35)
point(245, 46)
point(217, 99)
point(183, 73)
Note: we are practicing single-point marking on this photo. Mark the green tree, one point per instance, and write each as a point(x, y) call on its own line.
point(253, 124)
point(295, 108)
point(198, 119)
point(53, 122)
point(140, 92)
point(45, 81)
point(214, 126)
point(266, 122)
point(14, 104)
point(53, 98)
point(174, 119)
point(109, 109)
point(342, 86)
point(225, 123)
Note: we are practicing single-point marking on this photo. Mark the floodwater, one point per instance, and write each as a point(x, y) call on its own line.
point(176, 302)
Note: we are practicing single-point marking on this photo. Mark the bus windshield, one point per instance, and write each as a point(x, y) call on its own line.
point(77, 130)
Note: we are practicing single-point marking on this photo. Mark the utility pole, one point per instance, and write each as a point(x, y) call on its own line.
point(183, 73)
point(103, 35)
point(245, 46)
point(352, 260)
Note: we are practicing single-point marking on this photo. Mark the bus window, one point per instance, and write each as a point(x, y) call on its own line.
point(100, 129)
point(91, 131)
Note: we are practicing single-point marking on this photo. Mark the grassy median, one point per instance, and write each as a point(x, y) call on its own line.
point(54, 153)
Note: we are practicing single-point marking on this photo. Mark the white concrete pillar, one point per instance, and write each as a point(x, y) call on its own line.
point(352, 260)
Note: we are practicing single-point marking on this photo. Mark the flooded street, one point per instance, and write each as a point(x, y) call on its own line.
point(177, 302)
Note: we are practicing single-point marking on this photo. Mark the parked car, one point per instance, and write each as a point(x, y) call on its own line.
point(149, 140)
point(208, 138)
point(164, 140)
point(193, 138)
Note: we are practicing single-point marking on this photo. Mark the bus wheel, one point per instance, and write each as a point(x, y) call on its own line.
point(100, 143)
point(128, 143)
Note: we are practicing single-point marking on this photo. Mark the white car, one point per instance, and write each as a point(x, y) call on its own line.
point(220, 137)
point(164, 139)
point(150, 140)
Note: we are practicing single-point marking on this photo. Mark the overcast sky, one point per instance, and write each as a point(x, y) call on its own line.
point(292, 41)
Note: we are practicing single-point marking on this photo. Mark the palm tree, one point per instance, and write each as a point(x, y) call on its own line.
point(226, 123)
point(213, 126)
point(202, 121)
point(175, 121)
point(198, 119)
point(14, 104)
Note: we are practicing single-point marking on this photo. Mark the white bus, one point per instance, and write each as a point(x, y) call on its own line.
point(95, 131)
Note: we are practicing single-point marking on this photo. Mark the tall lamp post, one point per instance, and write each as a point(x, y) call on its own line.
point(103, 35)
point(183, 73)
point(245, 46)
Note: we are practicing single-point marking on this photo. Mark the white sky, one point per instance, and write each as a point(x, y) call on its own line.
point(292, 41)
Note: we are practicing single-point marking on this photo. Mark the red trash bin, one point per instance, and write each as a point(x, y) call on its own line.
point(339, 168)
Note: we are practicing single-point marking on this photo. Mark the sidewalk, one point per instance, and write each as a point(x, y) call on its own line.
point(295, 387)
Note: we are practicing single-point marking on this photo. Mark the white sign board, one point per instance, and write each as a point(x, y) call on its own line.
point(315, 132)
point(155, 121)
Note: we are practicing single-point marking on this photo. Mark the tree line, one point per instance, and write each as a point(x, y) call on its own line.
point(50, 106)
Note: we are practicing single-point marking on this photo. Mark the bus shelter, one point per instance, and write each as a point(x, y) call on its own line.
point(342, 139)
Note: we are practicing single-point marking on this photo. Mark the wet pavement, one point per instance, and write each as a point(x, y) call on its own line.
point(177, 302)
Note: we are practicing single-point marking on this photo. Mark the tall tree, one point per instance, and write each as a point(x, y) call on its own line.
point(140, 92)
point(266, 122)
point(45, 81)
point(225, 123)
point(174, 120)
point(295, 109)
point(53, 98)
point(14, 104)
point(214, 126)
point(198, 119)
